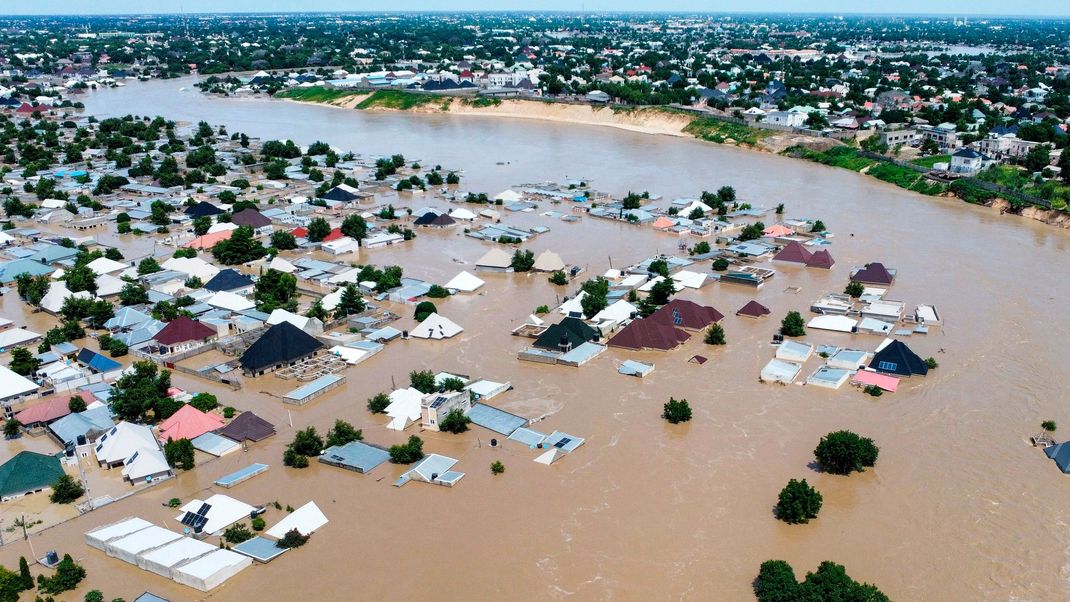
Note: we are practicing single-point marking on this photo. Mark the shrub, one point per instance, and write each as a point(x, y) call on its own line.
point(259, 523)
point(715, 335)
point(720, 264)
point(424, 309)
point(67, 577)
point(292, 539)
point(542, 309)
point(228, 412)
point(455, 422)
point(497, 467)
point(378, 403)
point(237, 533)
point(1048, 425)
point(408, 452)
point(522, 261)
point(423, 381)
point(293, 459)
point(342, 433)
point(931, 363)
point(873, 390)
point(793, 325)
point(558, 278)
point(66, 490)
point(854, 289)
point(844, 452)
point(798, 503)
point(437, 292)
point(205, 402)
point(676, 411)
point(174, 502)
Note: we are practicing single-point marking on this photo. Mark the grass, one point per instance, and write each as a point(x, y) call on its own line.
point(848, 158)
point(398, 100)
point(315, 94)
point(717, 130)
point(928, 162)
point(482, 102)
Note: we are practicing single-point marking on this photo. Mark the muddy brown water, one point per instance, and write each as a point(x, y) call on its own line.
point(959, 507)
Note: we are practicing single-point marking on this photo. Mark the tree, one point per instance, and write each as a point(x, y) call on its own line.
point(23, 361)
point(11, 584)
point(798, 502)
point(1048, 425)
point(283, 240)
point(350, 302)
point(205, 402)
point(201, 225)
point(67, 577)
point(292, 539)
point(658, 267)
point(100, 311)
point(701, 248)
point(149, 265)
point(12, 428)
point(1037, 158)
point(596, 291)
point(1064, 165)
point(81, 278)
point(76, 404)
point(455, 422)
point(929, 147)
point(662, 291)
point(237, 533)
point(676, 411)
point(522, 261)
point(854, 289)
point(720, 264)
point(66, 490)
point(24, 573)
point(752, 232)
point(424, 309)
point(306, 443)
point(558, 278)
point(408, 452)
point(726, 195)
point(437, 292)
point(423, 381)
point(275, 290)
point(776, 582)
point(318, 229)
point(378, 403)
point(843, 452)
point(342, 433)
point(241, 247)
point(141, 392)
point(33, 288)
point(133, 293)
point(354, 226)
point(793, 325)
point(818, 226)
point(715, 335)
point(179, 453)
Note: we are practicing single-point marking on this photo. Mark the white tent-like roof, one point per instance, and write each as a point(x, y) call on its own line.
point(122, 441)
point(103, 265)
point(280, 264)
point(128, 548)
point(303, 322)
point(221, 227)
point(331, 300)
point(305, 519)
point(495, 258)
point(108, 285)
point(211, 570)
point(686, 211)
point(230, 301)
point(12, 337)
point(163, 559)
point(548, 261)
point(191, 266)
point(404, 408)
point(223, 511)
point(618, 312)
point(465, 282)
point(689, 279)
point(57, 293)
point(99, 537)
point(835, 323)
point(436, 327)
point(463, 214)
point(507, 196)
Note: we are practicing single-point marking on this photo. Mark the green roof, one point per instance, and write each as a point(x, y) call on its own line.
point(28, 471)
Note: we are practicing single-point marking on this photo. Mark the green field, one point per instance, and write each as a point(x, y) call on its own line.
point(315, 94)
point(716, 130)
point(400, 100)
point(848, 158)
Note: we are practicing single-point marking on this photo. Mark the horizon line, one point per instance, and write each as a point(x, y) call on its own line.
point(549, 11)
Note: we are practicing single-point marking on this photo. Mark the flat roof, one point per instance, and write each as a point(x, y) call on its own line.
point(238, 476)
point(356, 455)
point(259, 549)
point(313, 387)
point(217, 445)
point(492, 418)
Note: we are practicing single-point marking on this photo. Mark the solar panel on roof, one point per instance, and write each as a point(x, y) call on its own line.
point(187, 519)
point(204, 509)
point(563, 442)
point(676, 318)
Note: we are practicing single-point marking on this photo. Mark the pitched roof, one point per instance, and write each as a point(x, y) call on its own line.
point(425, 219)
point(227, 280)
point(203, 208)
point(208, 241)
point(250, 217)
point(821, 259)
point(874, 273)
point(571, 330)
point(188, 423)
point(686, 314)
point(648, 334)
point(340, 193)
point(794, 252)
point(50, 409)
point(28, 471)
point(247, 426)
point(281, 344)
point(897, 358)
point(182, 329)
point(753, 309)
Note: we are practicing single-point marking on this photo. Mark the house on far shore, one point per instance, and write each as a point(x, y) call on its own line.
point(28, 473)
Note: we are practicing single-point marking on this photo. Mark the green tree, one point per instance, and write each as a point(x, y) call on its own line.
point(67, 577)
point(720, 264)
point(1037, 158)
point(341, 433)
point(408, 452)
point(423, 381)
point(11, 584)
point(752, 232)
point(676, 411)
point(179, 454)
point(76, 404)
point(843, 452)
point(715, 335)
point(662, 291)
point(726, 195)
point(522, 261)
point(1064, 165)
point(141, 392)
point(425, 309)
point(241, 247)
point(275, 290)
point(798, 502)
point(378, 403)
point(81, 278)
point(558, 278)
point(12, 428)
point(23, 361)
point(32, 289)
point(701, 248)
point(24, 573)
point(283, 240)
point(66, 490)
point(149, 265)
point(854, 289)
point(595, 299)
point(133, 293)
point(237, 533)
point(350, 303)
point(292, 539)
point(318, 229)
point(201, 225)
point(929, 147)
point(776, 583)
point(455, 422)
point(205, 402)
point(793, 325)
point(306, 443)
point(354, 226)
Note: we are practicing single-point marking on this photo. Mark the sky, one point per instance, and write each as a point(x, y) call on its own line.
point(951, 7)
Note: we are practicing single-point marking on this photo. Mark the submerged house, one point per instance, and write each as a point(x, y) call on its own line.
point(649, 334)
point(874, 273)
point(566, 335)
point(282, 345)
point(183, 334)
point(26, 473)
point(896, 358)
point(682, 313)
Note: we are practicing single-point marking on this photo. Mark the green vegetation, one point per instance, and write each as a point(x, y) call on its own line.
point(66, 490)
point(398, 100)
point(873, 390)
point(408, 452)
point(522, 261)
point(424, 309)
point(205, 402)
point(798, 502)
point(378, 403)
point(715, 335)
point(854, 289)
point(848, 158)
point(342, 433)
point(1048, 425)
point(174, 502)
point(237, 533)
point(843, 452)
point(306, 443)
point(793, 325)
point(930, 362)
point(776, 583)
point(481, 102)
point(67, 577)
point(558, 278)
point(676, 411)
point(423, 381)
point(315, 94)
point(929, 162)
point(292, 539)
point(179, 453)
point(720, 131)
point(497, 467)
point(455, 422)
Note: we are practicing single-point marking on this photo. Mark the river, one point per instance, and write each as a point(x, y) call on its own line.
point(959, 506)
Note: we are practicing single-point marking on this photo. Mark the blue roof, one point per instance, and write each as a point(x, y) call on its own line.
point(250, 471)
point(97, 362)
point(313, 387)
point(49, 253)
point(147, 597)
point(527, 436)
point(496, 420)
point(126, 317)
point(1061, 454)
point(68, 428)
point(355, 455)
point(259, 549)
point(12, 269)
point(211, 443)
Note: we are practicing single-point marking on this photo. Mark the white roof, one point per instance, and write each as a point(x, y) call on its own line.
point(13, 385)
point(548, 261)
point(57, 293)
point(436, 326)
point(836, 323)
point(465, 282)
point(305, 519)
point(611, 274)
point(632, 280)
point(347, 277)
point(686, 211)
point(145, 462)
point(404, 407)
point(618, 312)
point(507, 196)
point(281, 315)
point(120, 529)
point(221, 227)
point(103, 265)
point(462, 213)
point(793, 351)
point(208, 565)
point(145, 539)
point(349, 355)
point(13, 337)
point(331, 300)
point(280, 264)
point(178, 551)
point(223, 512)
point(650, 283)
point(341, 245)
point(191, 266)
point(495, 258)
point(108, 284)
point(230, 301)
point(689, 279)
point(122, 441)
point(573, 305)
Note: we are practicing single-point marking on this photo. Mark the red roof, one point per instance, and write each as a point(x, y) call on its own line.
point(188, 423)
point(686, 314)
point(300, 232)
point(753, 309)
point(874, 273)
point(821, 259)
point(648, 334)
point(28, 108)
point(50, 409)
point(182, 329)
point(334, 235)
point(794, 252)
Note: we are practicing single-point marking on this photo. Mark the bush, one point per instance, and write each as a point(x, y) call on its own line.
point(873, 390)
point(179, 453)
point(259, 523)
point(844, 452)
point(455, 422)
point(423, 381)
point(793, 325)
point(66, 490)
point(497, 467)
point(425, 309)
point(776, 583)
point(715, 335)
point(293, 459)
point(522, 261)
point(67, 577)
point(1048, 425)
point(238, 533)
point(558, 278)
point(306, 443)
point(342, 433)
point(408, 452)
point(228, 412)
point(437, 292)
point(854, 289)
point(205, 402)
point(930, 362)
point(676, 411)
point(292, 539)
point(798, 503)
point(720, 264)
point(174, 502)
point(378, 403)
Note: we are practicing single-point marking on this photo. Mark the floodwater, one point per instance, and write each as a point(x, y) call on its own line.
point(959, 506)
